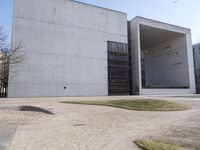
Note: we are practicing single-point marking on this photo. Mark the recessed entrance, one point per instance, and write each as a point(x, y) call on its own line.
point(164, 62)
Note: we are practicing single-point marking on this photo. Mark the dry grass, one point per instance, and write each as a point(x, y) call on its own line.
point(140, 104)
point(155, 145)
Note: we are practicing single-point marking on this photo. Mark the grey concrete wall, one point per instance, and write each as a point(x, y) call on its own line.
point(167, 68)
point(188, 61)
point(196, 50)
point(66, 46)
point(135, 56)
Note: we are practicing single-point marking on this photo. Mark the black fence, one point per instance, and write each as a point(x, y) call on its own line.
point(118, 69)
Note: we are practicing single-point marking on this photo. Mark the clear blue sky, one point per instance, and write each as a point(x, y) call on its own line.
point(184, 13)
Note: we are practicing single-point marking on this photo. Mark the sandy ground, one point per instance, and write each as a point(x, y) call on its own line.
point(80, 127)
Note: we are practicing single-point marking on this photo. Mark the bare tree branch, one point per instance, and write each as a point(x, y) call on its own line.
point(9, 57)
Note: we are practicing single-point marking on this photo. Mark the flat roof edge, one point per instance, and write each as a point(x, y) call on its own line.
point(76, 1)
point(159, 22)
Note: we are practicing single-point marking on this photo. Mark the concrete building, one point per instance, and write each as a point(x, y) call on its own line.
point(162, 58)
point(66, 47)
point(196, 50)
point(77, 49)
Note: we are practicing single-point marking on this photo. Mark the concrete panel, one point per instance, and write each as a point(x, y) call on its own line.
point(160, 25)
point(167, 68)
point(66, 46)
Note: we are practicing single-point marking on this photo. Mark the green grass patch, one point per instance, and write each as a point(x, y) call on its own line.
point(139, 104)
point(155, 145)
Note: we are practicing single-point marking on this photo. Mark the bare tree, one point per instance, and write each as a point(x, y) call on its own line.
point(9, 56)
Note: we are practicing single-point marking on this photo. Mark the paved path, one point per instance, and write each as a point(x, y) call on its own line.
point(81, 127)
point(7, 131)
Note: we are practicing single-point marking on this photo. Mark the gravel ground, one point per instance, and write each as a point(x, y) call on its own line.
point(74, 127)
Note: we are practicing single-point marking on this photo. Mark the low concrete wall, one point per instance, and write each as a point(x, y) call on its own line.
point(165, 91)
